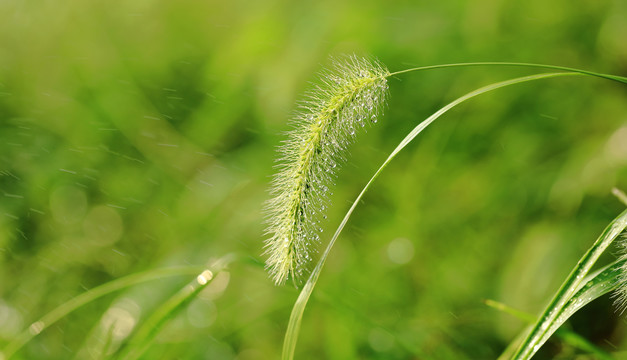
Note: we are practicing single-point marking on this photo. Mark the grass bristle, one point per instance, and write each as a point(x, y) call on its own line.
point(350, 96)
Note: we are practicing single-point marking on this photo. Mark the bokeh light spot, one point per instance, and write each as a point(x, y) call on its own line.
point(121, 319)
point(202, 313)
point(616, 147)
point(10, 320)
point(400, 251)
point(217, 287)
point(103, 225)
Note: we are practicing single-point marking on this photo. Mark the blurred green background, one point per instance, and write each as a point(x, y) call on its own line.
point(137, 135)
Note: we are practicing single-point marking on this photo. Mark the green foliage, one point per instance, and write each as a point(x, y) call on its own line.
point(576, 291)
point(89, 296)
point(141, 135)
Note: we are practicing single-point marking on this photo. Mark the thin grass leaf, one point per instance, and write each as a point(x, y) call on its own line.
point(521, 315)
point(291, 335)
point(514, 344)
point(64, 309)
point(574, 282)
point(141, 340)
point(620, 195)
point(569, 337)
point(596, 285)
point(620, 79)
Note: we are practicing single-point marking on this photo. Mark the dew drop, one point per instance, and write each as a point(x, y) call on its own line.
point(204, 277)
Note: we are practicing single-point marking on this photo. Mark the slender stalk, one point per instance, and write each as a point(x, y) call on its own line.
point(621, 79)
point(141, 340)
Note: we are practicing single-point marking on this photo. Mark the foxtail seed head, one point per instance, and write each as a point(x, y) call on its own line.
point(352, 95)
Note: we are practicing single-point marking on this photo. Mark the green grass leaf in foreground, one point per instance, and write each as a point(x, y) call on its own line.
point(141, 340)
point(568, 297)
point(64, 309)
point(596, 285)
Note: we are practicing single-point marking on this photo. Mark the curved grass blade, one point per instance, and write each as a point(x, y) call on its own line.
point(620, 79)
point(520, 315)
point(296, 316)
point(568, 289)
point(143, 337)
point(598, 284)
point(620, 195)
point(61, 311)
point(514, 344)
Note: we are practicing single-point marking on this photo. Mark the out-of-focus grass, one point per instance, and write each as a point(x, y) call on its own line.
point(138, 135)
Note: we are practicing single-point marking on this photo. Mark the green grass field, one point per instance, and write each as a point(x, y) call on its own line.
point(142, 135)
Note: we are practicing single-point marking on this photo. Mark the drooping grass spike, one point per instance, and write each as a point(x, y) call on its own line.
point(351, 94)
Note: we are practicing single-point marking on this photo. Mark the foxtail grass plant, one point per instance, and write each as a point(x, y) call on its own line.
point(352, 94)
